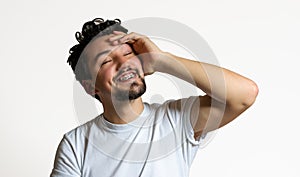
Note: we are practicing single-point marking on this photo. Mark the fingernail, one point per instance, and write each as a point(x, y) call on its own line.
point(115, 42)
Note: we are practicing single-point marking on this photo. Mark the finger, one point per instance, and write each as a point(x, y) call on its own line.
point(116, 37)
point(118, 32)
point(130, 38)
point(116, 42)
point(122, 39)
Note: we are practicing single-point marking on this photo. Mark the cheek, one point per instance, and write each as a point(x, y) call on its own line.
point(103, 78)
point(94, 72)
point(138, 64)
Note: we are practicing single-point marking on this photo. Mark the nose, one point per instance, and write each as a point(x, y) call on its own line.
point(121, 61)
point(120, 58)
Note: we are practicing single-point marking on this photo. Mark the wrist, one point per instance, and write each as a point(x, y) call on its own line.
point(163, 61)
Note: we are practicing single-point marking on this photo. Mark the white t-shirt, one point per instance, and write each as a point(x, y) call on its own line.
point(159, 143)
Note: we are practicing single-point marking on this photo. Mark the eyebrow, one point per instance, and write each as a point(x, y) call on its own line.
point(101, 53)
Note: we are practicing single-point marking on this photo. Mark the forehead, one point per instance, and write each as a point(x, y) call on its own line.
point(98, 44)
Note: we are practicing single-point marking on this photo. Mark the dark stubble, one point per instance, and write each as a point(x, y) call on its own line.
point(135, 90)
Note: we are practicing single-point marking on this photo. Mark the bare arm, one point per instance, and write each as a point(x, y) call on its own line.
point(230, 92)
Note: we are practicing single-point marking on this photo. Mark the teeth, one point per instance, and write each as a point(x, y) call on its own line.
point(126, 77)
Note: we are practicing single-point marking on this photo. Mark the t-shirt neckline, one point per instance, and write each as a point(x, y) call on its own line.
point(138, 122)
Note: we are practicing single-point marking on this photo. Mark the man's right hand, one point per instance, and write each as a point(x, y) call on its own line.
point(147, 51)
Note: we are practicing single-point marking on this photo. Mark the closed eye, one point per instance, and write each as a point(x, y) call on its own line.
point(106, 61)
point(128, 53)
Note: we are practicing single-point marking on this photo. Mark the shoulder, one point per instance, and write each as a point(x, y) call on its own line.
point(174, 108)
point(178, 104)
point(81, 131)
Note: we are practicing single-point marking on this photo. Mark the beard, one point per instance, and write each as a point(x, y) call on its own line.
point(136, 89)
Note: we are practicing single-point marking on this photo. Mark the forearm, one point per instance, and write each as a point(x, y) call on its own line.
point(219, 83)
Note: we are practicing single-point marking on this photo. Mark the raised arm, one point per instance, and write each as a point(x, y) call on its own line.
point(230, 93)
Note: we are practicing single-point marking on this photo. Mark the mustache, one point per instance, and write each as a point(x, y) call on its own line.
point(121, 71)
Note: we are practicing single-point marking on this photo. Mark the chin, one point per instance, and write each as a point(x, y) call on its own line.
point(136, 90)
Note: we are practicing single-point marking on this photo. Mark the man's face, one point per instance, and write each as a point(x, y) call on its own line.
point(115, 69)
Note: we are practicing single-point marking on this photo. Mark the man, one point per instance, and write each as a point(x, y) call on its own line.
point(132, 138)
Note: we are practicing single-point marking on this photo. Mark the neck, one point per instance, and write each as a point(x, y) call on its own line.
point(122, 112)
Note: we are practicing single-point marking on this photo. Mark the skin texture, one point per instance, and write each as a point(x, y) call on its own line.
point(230, 92)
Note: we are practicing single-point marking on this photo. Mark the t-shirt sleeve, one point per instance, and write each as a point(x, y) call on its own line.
point(66, 163)
point(183, 113)
point(190, 114)
point(187, 111)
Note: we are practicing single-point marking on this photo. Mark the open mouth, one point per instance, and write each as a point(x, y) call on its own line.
point(126, 75)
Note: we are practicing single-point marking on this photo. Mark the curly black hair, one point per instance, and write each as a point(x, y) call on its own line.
point(96, 27)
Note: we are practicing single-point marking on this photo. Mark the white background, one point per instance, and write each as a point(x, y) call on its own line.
point(258, 39)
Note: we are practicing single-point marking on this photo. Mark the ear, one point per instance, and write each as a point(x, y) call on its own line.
point(89, 87)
